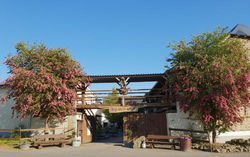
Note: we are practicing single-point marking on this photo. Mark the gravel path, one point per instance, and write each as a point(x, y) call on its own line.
point(109, 149)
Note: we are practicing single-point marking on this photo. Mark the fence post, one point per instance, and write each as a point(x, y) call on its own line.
point(20, 135)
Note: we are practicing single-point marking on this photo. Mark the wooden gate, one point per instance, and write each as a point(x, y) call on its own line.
point(143, 124)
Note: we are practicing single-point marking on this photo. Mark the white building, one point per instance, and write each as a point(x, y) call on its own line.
point(71, 122)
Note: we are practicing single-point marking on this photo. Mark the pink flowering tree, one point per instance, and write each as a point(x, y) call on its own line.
point(43, 82)
point(209, 76)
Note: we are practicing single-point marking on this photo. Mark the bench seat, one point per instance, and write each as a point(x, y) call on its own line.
point(163, 140)
point(42, 140)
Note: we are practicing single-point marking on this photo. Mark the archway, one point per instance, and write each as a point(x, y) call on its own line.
point(131, 101)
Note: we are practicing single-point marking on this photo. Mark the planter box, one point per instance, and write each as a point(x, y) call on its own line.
point(186, 144)
point(76, 143)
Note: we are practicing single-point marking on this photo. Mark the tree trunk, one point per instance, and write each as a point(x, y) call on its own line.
point(46, 129)
point(209, 137)
point(214, 136)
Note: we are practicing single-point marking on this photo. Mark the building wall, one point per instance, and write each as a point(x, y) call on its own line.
point(241, 130)
point(6, 120)
point(181, 120)
point(245, 125)
point(245, 41)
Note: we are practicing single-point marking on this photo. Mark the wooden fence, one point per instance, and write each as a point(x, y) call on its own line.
point(65, 130)
point(143, 124)
point(187, 130)
point(191, 131)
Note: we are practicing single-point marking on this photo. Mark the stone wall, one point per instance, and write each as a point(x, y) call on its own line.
point(245, 125)
point(246, 42)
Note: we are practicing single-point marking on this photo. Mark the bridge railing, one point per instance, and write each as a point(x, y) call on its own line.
point(133, 97)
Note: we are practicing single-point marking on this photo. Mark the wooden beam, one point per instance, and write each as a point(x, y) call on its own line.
point(155, 89)
point(126, 97)
point(106, 106)
point(22, 130)
point(187, 130)
point(84, 129)
point(95, 106)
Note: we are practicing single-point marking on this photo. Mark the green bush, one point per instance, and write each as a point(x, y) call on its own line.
point(24, 134)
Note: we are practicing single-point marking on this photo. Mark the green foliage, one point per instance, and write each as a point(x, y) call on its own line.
point(15, 134)
point(73, 134)
point(113, 117)
point(209, 77)
point(113, 99)
point(24, 134)
point(130, 134)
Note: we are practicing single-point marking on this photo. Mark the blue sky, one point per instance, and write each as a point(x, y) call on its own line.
point(114, 36)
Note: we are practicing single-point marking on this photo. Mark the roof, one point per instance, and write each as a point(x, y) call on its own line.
point(132, 78)
point(240, 30)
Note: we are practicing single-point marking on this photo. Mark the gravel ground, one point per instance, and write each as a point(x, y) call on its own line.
point(110, 149)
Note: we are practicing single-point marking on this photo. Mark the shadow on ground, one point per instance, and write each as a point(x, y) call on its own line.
point(111, 140)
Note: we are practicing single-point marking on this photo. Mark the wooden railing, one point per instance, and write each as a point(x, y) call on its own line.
point(133, 96)
point(187, 130)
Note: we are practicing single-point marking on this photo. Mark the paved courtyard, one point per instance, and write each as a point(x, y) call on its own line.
point(110, 149)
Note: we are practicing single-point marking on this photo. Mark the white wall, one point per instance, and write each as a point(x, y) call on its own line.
point(6, 120)
point(180, 120)
point(101, 119)
point(223, 137)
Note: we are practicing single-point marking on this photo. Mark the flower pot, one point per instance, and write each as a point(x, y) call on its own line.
point(143, 145)
point(76, 143)
point(186, 144)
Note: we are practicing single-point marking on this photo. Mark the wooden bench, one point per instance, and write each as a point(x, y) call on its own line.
point(42, 140)
point(163, 140)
